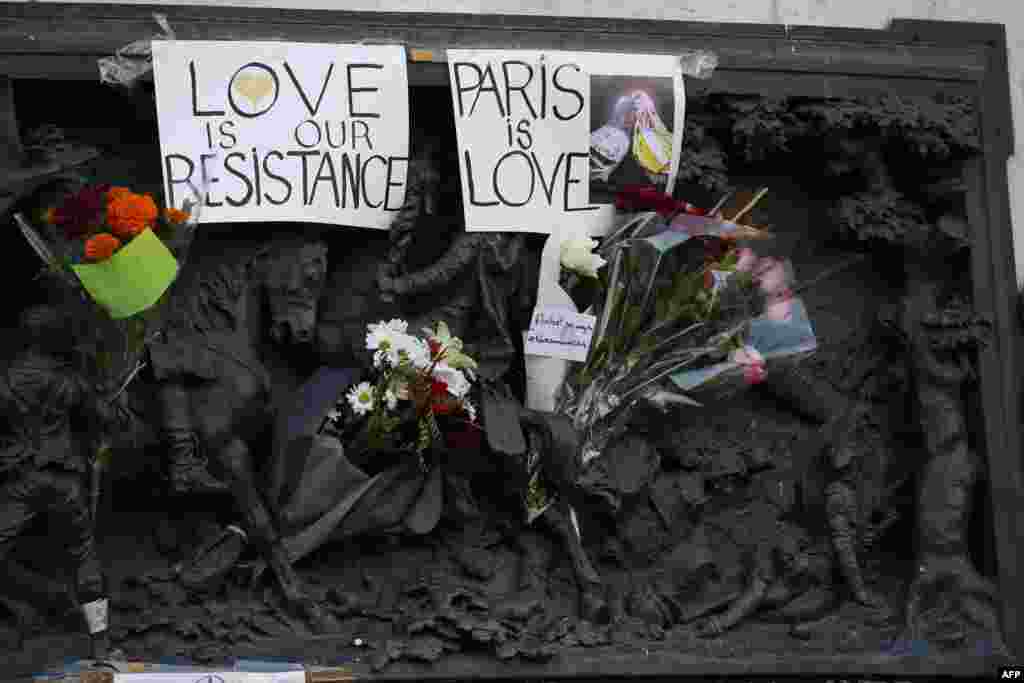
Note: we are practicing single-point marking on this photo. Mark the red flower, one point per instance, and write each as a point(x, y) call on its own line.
point(709, 279)
point(438, 388)
point(443, 407)
point(469, 438)
point(754, 373)
point(435, 347)
point(646, 198)
point(82, 212)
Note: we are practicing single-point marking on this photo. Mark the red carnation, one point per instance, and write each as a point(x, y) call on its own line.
point(438, 388)
point(443, 408)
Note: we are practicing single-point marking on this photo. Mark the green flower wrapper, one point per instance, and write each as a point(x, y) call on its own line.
point(133, 279)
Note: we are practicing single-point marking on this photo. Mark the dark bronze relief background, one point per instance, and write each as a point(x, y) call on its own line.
point(858, 510)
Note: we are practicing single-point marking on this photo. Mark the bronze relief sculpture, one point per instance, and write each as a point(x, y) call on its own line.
point(676, 530)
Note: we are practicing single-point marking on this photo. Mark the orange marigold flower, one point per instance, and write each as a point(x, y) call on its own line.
point(176, 215)
point(101, 247)
point(129, 214)
point(115, 192)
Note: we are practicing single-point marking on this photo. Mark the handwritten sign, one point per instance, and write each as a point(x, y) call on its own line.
point(560, 333)
point(546, 138)
point(212, 677)
point(284, 131)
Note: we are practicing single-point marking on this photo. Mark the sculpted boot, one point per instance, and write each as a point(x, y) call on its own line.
point(188, 464)
point(188, 469)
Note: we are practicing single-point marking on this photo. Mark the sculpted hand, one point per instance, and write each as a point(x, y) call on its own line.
point(387, 285)
point(708, 628)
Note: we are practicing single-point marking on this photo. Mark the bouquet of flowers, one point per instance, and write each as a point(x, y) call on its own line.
point(114, 254)
point(684, 310)
point(418, 380)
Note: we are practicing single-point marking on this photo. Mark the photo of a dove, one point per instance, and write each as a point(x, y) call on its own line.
point(609, 144)
point(652, 140)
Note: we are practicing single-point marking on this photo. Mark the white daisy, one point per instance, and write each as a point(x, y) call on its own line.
point(383, 335)
point(412, 350)
point(360, 397)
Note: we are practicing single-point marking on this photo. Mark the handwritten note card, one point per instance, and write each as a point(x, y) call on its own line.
point(560, 333)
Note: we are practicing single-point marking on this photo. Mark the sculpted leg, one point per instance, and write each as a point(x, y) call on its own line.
point(261, 525)
point(16, 512)
point(749, 602)
point(592, 601)
point(188, 465)
point(63, 496)
point(841, 511)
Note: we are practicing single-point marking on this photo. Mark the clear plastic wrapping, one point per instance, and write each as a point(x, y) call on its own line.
point(134, 60)
point(698, 63)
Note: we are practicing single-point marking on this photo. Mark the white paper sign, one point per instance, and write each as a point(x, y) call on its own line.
point(546, 138)
point(284, 131)
point(212, 677)
point(560, 333)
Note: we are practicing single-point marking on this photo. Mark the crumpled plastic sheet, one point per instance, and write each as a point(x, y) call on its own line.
point(135, 60)
point(698, 63)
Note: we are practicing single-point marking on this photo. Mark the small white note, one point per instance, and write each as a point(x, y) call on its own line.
point(560, 333)
point(212, 677)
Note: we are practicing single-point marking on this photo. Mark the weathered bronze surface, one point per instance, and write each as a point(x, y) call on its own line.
point(843, 510)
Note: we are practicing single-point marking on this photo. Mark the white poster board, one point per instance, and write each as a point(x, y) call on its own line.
point(284, 131)
point(546, 138)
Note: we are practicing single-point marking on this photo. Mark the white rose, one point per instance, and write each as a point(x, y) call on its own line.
point(577, 255)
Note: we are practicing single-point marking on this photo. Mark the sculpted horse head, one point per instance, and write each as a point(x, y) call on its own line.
point(293, 273)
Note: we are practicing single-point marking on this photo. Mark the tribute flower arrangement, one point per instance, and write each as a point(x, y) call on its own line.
point(114, 253)
point(685, 310)
point(417, 379)
point(111, 239)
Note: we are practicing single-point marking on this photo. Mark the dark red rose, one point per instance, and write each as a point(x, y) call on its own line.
point(438, 388)
point(649, 198)
point(83, 211)
point(470, 438)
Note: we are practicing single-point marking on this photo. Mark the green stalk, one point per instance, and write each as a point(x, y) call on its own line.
point(704, 352)
point(609, 298)
point(677, 335)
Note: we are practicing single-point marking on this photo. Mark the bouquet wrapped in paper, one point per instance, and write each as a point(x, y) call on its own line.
point(114, 242)
point(114, 254)
point(686, 309)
